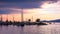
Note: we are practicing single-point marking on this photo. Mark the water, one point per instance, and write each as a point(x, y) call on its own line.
point(32, 29)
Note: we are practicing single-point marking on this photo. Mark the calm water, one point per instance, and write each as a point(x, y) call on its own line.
point(32, 29)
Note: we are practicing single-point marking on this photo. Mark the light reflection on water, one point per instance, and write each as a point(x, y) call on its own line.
point(32, 29)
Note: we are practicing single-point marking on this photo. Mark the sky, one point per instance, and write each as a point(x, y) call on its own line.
point(42, 9)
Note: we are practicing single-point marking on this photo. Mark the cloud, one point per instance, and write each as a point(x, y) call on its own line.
point(25, 0)
point(24, 3)
point(27, 5)
point(18, 4)
point(11, 11)
point(52, 8)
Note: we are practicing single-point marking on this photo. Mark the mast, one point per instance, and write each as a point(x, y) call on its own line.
point(1, 18)
point(32, 18)
point(13, 18)
point(22, 15)
point(7, 18)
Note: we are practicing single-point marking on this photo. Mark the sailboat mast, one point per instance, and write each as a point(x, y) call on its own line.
point(1, 17)
point(7, 18)
point(13, 18)
point(22, 15)
point(32, 18)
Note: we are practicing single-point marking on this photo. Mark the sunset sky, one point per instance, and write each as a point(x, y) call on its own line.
point(42, 9)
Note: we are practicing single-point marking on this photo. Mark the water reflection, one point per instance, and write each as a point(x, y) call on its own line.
point(32, 29)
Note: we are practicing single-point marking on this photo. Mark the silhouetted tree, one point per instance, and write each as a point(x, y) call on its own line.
point(6, 20)
point(29, 20)
point(37, 20)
